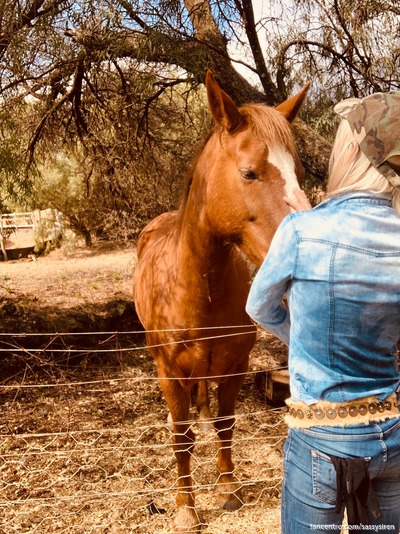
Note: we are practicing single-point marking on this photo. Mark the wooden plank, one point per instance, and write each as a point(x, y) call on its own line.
point(273, 385)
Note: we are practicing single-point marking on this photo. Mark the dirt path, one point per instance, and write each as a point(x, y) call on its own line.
point(90, 275)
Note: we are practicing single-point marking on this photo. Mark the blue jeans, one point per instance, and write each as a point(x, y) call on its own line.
point(309, 486)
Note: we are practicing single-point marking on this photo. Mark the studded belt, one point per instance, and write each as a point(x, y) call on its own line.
point(324, 413)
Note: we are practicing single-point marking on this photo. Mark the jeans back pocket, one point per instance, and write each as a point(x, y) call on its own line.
point(323, 477)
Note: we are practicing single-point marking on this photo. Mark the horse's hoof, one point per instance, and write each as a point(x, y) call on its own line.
point(187, 520)
point(230, 502)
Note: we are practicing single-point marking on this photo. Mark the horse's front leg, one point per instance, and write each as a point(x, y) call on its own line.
point(178, 400)
point(228, 488)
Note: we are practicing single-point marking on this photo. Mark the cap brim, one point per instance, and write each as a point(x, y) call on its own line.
point(344, 107)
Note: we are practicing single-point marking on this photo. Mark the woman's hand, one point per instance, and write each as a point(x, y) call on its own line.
point(299, 201)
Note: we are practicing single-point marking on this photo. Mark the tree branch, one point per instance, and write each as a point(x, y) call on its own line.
point(247, 14)
point(337, 55)
point(25, 19)
point(209, 48)
point(39, 129)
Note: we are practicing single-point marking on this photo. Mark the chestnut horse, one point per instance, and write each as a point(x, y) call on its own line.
point(191, 281)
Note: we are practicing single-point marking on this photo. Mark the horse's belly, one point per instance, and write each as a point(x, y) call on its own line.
point(208, 354)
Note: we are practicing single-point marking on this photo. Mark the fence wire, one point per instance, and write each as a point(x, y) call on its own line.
point(86, 449)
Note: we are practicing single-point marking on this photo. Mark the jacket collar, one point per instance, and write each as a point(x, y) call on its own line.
point(381, 198)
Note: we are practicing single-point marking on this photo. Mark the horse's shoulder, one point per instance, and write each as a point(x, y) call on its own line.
point(155, 229)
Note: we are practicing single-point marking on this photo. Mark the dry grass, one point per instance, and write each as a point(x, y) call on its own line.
point(92, 452)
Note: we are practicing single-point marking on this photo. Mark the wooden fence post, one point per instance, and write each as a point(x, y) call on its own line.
point(3, 240)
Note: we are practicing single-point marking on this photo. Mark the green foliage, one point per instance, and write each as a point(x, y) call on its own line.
point(130, 163)
point(15, 184)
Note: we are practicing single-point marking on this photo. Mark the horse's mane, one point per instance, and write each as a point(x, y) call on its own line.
point(189, 173)
point(267, 123)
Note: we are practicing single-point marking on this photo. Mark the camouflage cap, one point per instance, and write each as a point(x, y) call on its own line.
point(375, 123)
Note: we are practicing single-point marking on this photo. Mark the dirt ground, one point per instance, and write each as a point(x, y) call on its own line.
point(83, 442)
point(75, 278)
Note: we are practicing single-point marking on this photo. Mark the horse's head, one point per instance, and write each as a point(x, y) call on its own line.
point(250, 163)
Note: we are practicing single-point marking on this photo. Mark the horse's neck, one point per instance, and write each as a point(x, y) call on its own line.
point(209, 274)
point(213, 277)
point(198, 246)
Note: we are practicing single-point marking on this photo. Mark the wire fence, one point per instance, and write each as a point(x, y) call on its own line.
point(84, 445)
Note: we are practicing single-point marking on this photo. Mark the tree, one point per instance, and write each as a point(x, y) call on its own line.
point(15, 185)
point(111, 78)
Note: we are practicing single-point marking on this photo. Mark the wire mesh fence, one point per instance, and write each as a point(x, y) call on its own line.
point(84, 447)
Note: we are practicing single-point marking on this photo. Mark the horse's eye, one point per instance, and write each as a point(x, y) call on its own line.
point(248, 174)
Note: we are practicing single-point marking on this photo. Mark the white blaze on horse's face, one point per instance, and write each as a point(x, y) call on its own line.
point(283, 160)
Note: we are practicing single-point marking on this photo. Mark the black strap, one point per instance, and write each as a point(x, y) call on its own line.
point(354, 490)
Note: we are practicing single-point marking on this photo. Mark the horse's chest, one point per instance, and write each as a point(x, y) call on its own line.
point(178, 291)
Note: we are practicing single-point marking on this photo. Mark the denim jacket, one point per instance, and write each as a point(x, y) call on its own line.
point(339, 265)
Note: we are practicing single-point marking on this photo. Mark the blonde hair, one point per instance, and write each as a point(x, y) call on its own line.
point(350, 169)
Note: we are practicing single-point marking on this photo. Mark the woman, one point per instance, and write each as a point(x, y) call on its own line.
point(339, 266)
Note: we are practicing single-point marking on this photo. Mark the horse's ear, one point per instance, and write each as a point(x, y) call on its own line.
point(222, 107)
point(292, 105)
